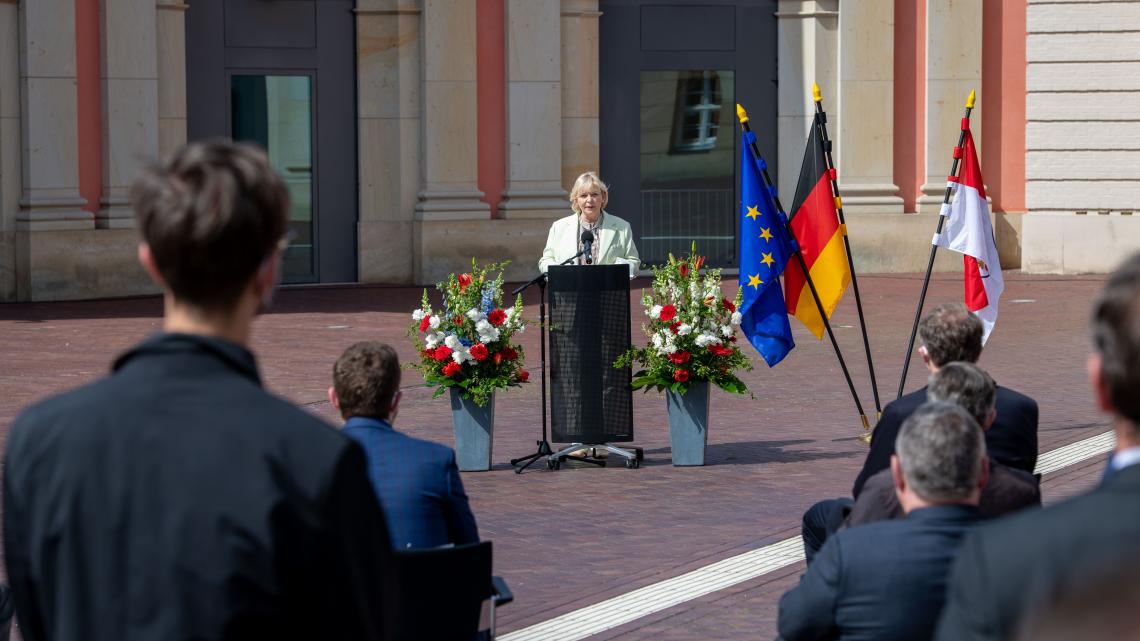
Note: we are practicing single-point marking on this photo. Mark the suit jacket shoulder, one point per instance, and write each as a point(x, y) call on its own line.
point(883, 438)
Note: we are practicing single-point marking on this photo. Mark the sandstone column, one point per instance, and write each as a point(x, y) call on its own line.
point(580, 133)
point(534, 111)
point(450, 129)
point(808, 46)
point(171, 42)
point(388, 116)
point(130, 102)
point(49, 160)
point(953, 68)
point(864, 111)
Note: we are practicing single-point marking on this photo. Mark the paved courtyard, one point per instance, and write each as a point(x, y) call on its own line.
point(571, 538)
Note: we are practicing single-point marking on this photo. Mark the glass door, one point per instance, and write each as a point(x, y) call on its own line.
point(276, 113)
point(688, 168)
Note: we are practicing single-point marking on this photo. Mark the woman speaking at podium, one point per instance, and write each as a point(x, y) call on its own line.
point(601, 237)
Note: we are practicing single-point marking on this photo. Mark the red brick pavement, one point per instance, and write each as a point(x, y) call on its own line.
point(571, 538)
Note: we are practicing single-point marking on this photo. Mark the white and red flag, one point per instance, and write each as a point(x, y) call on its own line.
point(968, 230)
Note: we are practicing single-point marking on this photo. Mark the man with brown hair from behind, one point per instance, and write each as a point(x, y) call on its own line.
point(176, 498)
point(417, 481)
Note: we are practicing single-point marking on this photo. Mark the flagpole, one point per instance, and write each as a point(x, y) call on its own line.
point(832, 175)
point(743, 116)
point(938, 231)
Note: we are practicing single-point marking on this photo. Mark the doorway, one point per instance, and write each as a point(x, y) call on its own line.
point(282, 75)
point(669, 135)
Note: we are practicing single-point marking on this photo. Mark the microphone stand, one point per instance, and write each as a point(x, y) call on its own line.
point(544, 449)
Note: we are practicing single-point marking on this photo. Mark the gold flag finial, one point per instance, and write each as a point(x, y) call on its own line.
point(815, 94)
point(970, 99)
point(741, 114)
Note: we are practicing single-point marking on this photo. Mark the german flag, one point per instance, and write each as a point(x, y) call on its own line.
point(815, 223)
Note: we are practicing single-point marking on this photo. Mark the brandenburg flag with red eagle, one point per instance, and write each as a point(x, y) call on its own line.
point(820, 237)
point(968, 230)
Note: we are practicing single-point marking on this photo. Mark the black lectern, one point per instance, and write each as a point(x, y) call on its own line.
point(591, 401)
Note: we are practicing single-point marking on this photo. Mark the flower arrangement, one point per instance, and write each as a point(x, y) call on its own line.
point(467, 344)
point(691, 330)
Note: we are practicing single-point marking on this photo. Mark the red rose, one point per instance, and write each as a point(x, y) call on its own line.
point(681, 375)
point(451, 369)
point(425, 323)
point(497, 317)
point(497, 358)
point(442, 353)
point(428, 353)
point(683, 270)
point(668, 313)
point(674, 325)
point(479, 352)
point(699, 262)
point(679, 358)
point(732, 339)
point(720, 350)
point(510, 353)
point(524, 376)
point(727, 304)
point(464, 281)
point(457, 320)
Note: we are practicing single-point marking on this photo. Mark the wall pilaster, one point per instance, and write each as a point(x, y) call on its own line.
point(953, 69)
point(171, 50)
point(580, 131)
point(389, 88)
point(450, 177)
point(9, 145)
point(534, 111)
point(865, 116)
point(49, 198)
point(808, 42)
point(128, 29)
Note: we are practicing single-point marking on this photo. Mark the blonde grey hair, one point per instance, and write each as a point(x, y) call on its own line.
point(584, 182)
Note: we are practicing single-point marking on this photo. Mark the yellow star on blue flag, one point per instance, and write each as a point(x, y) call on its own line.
point(764, 252)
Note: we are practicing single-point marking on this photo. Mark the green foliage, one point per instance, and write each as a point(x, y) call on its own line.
point(466, 344)
point(691, 328)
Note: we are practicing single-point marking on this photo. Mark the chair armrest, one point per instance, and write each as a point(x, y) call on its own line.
point(501, 593)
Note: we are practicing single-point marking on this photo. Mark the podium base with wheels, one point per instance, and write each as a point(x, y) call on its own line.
point(632, 457)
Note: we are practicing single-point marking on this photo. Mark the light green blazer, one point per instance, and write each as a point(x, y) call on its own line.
point(616, 242)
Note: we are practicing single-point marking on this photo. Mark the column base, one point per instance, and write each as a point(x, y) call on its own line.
point(930, 202)
point(871, 199)
point(452, 205)
point(53, 213)
point(544, 204)
point(115, 213)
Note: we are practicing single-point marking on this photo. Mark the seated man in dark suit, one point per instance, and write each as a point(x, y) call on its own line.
point(1009, 566)
point(971, 388)
point(949, 333)
point(886, 581)
point(416, 481)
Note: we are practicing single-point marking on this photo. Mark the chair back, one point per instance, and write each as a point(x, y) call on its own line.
point(440, 592)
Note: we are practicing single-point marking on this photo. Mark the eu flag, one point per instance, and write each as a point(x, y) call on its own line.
point(764, 252)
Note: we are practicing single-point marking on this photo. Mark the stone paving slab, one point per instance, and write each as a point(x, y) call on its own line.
point(569, 538)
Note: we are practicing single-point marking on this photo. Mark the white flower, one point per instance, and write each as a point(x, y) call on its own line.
point(520, 328)
point(460, 355)
point(736, 318)
point(482, 324)
point(704, 340)
point(684, 329)
point(725, 331)
point(418, 315)
point(474, 314)
point(452, 341)
point(488, 334)
point(655, 312)
point(433, 340)
point(658, 341)
point(670, 347)
point(434, 322)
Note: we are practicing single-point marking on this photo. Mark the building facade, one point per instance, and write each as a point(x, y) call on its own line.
point(417, 134)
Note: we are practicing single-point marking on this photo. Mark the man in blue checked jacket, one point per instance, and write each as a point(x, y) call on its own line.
point(417, 481)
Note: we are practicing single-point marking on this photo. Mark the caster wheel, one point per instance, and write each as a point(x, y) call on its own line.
point(639, 453)
point(632, 463)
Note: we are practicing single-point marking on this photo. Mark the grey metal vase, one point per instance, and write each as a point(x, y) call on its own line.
point(689, 423)
point(474, 428)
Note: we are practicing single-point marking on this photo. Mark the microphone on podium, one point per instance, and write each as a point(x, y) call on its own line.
point(588, 246)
